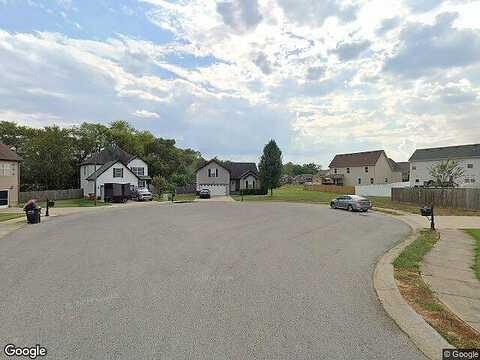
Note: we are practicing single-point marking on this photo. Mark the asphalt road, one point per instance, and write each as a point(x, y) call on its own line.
point(201, 281)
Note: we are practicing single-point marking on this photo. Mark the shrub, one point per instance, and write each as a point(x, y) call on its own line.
point(253, 192)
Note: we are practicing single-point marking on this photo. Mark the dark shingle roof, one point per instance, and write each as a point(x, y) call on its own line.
point(7, 154)
point(368, 158)
point(403, 166)
point(448, 152)
point(237, 169)
point(108, 154)
point(102, 169)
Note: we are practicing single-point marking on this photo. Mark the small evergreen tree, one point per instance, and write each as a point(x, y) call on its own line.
point(270, 166)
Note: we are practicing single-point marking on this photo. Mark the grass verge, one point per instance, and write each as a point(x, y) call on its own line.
point(10, 216)
point(475, 233)
point(72, 203)
point(296, 193)
point(423, 300)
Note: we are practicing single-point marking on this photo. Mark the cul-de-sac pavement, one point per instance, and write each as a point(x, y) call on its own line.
point(210, 280)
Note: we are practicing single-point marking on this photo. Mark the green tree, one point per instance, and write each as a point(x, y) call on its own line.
point(446, 173)
point(270, 167)
point(160, 185)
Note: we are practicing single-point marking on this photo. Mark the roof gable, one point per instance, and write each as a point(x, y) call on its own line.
point(448, 152)
point(7, 154)
point(216, 161)
point(105, 167)
point(368, 158)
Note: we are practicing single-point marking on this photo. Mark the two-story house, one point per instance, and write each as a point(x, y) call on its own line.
point(9, 176)
point(467, 156)
point(112, 165)
point(223, 178)
point(364, 168)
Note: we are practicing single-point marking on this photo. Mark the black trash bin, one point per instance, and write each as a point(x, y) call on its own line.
point(33, 212)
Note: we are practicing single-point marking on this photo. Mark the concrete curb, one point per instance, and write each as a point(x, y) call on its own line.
point(420, 332)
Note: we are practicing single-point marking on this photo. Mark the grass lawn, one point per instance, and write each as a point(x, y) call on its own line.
point(296, 193)
point(475, 233)
point(185, 197)
point(73, 203)
point(410, 259)
point(423, 300)
point(10, 216)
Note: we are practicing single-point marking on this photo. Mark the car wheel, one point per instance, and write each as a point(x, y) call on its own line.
point(350, 208)
point(332, 205)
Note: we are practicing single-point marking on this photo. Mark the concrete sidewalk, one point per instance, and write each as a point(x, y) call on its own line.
point(441, 222)
point(447, 270)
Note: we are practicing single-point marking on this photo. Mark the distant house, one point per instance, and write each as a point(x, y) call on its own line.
point(9, 176)
point(303, 178)
point(364, 168)
point(223, 178)
point(112, 165)
point(468, 156)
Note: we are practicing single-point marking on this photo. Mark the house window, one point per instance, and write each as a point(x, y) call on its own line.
point(141, 184)
point(469, 166)
point(359, 181)
point(414, 168)
point(212, 172)
point(348, 170)
point(371, 181)
point(118, 172)
point(139, 171)
point(253, 184)
point(7, 169)
point(417, 180)
point(386, 180)
point(366, 169)
point(335, 171)
point(246, 184)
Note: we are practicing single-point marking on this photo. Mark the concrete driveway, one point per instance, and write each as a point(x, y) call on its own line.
point(206, 280)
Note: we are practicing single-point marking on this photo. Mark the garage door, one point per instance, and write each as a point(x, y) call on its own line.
point(215, 190)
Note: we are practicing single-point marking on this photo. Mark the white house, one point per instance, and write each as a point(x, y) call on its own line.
point(468, 156)
point(112, 165)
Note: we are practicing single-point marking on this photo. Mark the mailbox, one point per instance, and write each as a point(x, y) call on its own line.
point(426, 211)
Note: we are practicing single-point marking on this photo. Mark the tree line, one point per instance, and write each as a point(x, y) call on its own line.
point(52, 155)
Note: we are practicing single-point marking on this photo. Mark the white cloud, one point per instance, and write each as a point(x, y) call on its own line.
point(321, 77)
point(146, 114)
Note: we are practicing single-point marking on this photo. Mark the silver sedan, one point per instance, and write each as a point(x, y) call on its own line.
point(351, 203)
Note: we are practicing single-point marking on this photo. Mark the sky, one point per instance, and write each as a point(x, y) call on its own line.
point(225, 77)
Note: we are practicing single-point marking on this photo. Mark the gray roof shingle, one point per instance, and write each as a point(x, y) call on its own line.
point(448, 152)
point(7, 154)
point(368, 158)
point(238, 169)
point(108, 154)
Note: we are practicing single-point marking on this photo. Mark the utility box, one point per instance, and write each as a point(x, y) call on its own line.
point(117, 193)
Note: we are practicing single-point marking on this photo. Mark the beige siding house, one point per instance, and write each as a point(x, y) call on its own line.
point(9, 177)
point(223, 178)
point(364, 168)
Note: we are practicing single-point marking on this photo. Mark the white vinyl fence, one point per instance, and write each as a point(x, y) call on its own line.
point(384, 190)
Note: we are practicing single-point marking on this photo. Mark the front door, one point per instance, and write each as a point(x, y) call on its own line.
point(4, 198)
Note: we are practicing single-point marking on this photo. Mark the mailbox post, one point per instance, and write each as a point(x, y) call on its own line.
point(429, 214)
point(50, 203)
